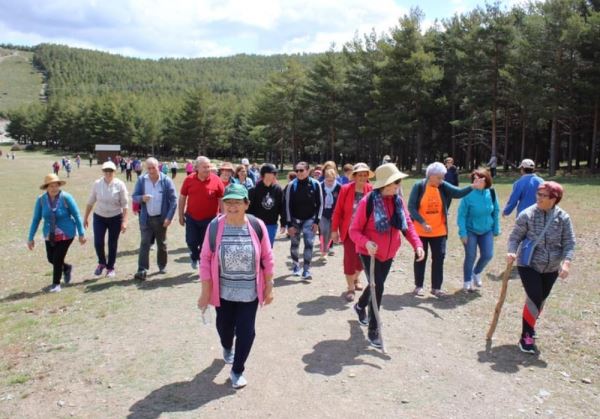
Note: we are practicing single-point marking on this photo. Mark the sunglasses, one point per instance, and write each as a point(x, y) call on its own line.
point(299, 170)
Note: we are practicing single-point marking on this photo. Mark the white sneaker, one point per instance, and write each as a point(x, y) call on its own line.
point(55, 288)
point(237, 380)
point(476, 279)
point(468, 286)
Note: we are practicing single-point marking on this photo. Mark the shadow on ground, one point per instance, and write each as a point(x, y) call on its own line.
point(514, 274)
point(399, 302)
point(329, 357)
point(508, 359)
point(149, 284)
point(27, 295)
point(183, 396)
point(321, 305)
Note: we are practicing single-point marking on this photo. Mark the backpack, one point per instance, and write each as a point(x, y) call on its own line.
point(313, 183)
point(214, 225)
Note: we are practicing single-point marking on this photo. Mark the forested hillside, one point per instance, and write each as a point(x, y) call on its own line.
point(512, 83)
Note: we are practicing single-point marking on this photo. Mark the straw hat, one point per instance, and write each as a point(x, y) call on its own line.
point(362, 167)
point(226, 166)
point(51, 178)
point(386, 174)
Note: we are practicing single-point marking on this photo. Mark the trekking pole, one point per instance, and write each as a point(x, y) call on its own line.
point(374, 302)
point(500, 302)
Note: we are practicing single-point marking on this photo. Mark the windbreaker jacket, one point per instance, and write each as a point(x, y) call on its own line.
point(342, 214)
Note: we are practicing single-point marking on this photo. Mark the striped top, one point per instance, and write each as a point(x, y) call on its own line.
point(237, 265)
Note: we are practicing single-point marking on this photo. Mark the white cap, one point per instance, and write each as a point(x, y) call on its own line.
point(108, 165)
point(527, 164)
point(245, 161)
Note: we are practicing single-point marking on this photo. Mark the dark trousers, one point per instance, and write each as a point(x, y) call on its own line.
point(438, 253)
point(537, 288)
point(128, 175)
point(382, 269)
point(194, 235)
point(101, 225)
point(153, 229)
point(236, 318)
point(56, 254)
point(173, 173)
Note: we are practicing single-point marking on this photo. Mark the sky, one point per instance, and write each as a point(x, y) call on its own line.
point(209, 28)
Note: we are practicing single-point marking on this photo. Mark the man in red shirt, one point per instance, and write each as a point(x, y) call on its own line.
point(201, 191)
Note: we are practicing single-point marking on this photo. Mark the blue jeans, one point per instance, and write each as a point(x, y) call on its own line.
point(237, 318)
point(303, 227)
point(194, 235)
point(272, 230)
point(100, 226)
point(485, 242)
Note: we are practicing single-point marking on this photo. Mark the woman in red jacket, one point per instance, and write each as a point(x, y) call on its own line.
point(375, 230)
point(345, 208)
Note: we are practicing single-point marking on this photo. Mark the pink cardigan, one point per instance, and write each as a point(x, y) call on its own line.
point(388, 243)
point(209, 261)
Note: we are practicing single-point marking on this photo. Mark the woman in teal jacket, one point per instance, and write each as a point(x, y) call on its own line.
point(61, 220)
point(478, 224)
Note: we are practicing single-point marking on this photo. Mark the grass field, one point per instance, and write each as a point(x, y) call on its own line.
point(109, 348)
point(20, 83)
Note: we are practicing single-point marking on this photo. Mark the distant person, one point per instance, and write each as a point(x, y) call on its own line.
point(524, 190)
point(241, 177)
point(137, 167)
point(550, 228)
point(199, 200)
point(56, 168)
point(478, 224)
point(157, 197)
point(236, 273)
point(109, 199)
point(377, 238)
point(493, 164)
point(174, 166)
point(68, 167)
point(303, 209)
point(165, 168)
point(452, 172)
point(428, 206)
point(345, 178)
point(62, 220)
point(386, 159)
point(13, 155)
point(128, 170)
point(226, 173)
point(251, 172)
point(266, 201)
point(343, 214)
point(91, 159)
point(330, 191)
point(122, 164)
point(78, 161)
point(189, 168)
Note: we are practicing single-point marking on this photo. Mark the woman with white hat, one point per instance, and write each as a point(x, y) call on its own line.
point(379, 219)
point(110, 198)
point(61, 220)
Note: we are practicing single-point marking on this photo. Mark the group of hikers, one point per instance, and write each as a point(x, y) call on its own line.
point(232, 215)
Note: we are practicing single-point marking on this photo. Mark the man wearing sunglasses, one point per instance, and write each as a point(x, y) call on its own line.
point(303, 209)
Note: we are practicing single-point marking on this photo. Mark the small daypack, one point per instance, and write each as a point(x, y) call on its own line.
point(214, 225)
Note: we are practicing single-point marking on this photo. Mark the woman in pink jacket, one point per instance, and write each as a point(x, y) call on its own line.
point(236, 271)
point(376, 227)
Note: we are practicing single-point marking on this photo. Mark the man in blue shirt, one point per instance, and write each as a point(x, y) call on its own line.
point(524, 189)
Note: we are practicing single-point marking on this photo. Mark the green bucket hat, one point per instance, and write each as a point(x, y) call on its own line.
point(235, 191)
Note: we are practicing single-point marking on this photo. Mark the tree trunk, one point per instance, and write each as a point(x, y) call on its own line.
point(523, 132)
point(453, 130)
point(506, 122)
point(553, 141)
point(570, 150)
point(419, 146)
point(594, 150)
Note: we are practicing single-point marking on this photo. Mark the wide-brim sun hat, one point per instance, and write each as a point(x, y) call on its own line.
point(226, 166)
point(386, 174)
point(362, 167)
point(51, 178)
point(108, 165)
point(235, 191)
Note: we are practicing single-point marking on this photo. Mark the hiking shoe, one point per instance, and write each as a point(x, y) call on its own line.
point(527, 344)
point(331, 253)
point(162, 271)
point(306, 274)
point(67, 273)
point(55, 288)
point(468, 286)
point(99, 270)
point(296, 269)
point(439, 293)
point(110, 273)
point(228, 355)
point(237, 380)
point(362, 314)
point(141, 275)
point(419, 291)
point(534, 334)
point(374, 339)
point(194, 265)
point(477, 279)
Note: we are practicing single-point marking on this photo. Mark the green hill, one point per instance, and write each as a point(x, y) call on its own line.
point(20, 83)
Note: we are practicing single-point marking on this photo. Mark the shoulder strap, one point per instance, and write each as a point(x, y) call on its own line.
point(369, 205)
point(214, 226)
point(538, 238)
point(255, 226)
point(493, 193)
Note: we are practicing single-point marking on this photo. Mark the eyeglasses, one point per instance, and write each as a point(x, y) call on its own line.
point(542, 195)
point(299, 170)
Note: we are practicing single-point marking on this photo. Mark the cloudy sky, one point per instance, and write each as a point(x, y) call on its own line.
point(202, 28)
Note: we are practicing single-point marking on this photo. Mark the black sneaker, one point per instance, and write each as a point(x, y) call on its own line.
point(140, 275)
point(67, 273)
point(362, 314)
point(534, 334)
point(527, 344)
point(374, 339)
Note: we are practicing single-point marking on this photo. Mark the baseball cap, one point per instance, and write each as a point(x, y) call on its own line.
point(109, 166)
point(235, 191)
point(527, 164)
point(268, 168)
point(245, 161)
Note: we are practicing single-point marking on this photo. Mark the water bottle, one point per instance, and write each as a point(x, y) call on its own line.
point(206, 315)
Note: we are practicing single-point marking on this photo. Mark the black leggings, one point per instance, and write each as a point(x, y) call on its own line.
point(537, 287)
point(382, 269)
point(56, 254)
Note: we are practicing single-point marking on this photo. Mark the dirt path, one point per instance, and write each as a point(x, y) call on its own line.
point(119, 349)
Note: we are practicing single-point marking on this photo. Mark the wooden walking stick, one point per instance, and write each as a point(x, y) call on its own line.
point(374, 302)
point(500, 302)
